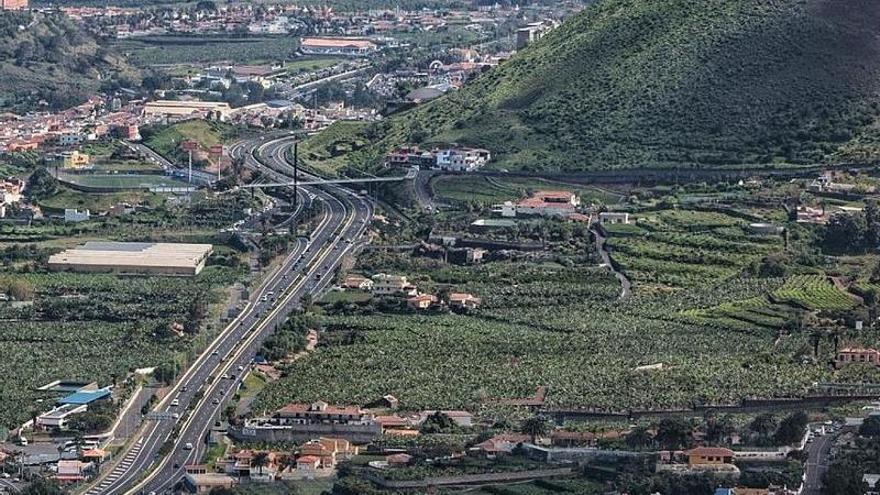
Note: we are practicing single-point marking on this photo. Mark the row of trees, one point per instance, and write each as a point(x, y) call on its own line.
point(853, 232)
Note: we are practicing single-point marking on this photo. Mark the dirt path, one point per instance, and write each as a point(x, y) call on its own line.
point(625, 284)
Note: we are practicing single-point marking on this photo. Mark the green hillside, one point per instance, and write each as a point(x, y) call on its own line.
point(46, 57)
point(652, 83)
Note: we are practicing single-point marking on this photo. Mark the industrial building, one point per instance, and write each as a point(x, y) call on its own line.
point(133, 258)
point(337, 46)
point(172, 108)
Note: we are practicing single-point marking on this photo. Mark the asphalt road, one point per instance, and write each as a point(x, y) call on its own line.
point(817, 463)
point(202, 390)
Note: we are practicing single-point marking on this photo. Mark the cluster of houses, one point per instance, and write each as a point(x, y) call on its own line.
point(90, 121)
point(316, 458)
point(383, 284)
point(452, 159)
point(284, 19)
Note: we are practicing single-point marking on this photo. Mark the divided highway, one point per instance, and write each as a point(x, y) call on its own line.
point(184, 418)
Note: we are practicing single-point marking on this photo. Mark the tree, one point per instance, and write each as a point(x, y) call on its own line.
point(41, 184)
point(536, 427)
point(42, 486)
point(870, 427)
point(438, 422)
point(763, 424)
point(792, 428)
point(260, 460)
point(845, 232)
point(673, 433)
point(639, 438)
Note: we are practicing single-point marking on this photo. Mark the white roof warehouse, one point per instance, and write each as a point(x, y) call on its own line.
point(133, 257)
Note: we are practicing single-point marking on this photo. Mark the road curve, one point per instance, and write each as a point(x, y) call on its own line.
point(201, 391)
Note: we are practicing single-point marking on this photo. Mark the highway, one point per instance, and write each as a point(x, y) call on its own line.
point(202, 392)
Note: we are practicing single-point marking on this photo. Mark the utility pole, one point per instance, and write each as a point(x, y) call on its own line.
point(190, 166)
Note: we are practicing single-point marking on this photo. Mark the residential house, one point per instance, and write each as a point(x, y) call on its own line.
point(849, 355)
point(71, 471)
point(240, 464)
point(328, 451)
point(308, 464)
point(543, 203)
point(74, 159)
point(461, 160)
point(873, 482)
point(501, 444)
point(421, 302)
point(384, 284)
point(75, 216)
point(357, 282)
point(611, 217)
point(321, 412)
point(709, 456)
point(463, 300)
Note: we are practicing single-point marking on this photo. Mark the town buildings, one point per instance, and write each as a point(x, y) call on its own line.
point(454, 159)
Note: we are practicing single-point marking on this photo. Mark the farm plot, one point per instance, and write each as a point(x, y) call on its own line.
point(587, 358)
point(687, 248)
point(813, 292)
point(92, 327)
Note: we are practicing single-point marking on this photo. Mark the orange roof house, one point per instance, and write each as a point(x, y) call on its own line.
point(709, 455)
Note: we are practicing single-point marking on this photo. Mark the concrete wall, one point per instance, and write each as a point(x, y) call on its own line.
point(304, 433)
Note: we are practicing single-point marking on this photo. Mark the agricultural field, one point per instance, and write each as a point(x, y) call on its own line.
point(684, 248)
point(488, 190)
point(97, 326)
point(171, 50)
point(311, 64)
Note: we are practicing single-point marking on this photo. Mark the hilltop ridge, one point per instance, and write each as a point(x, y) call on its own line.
point(632, 83)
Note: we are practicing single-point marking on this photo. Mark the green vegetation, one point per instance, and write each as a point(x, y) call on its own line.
point(489, 190)
point(669, 83)
point(681, 248)
point(52, 60)
point(175, 50)
point(167, 140)
point(98, 327)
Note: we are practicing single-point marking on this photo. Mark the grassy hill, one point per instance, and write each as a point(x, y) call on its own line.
point(48, 57)
point(639, 83)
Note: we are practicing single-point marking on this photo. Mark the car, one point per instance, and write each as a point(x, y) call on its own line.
point(221, 393)
point(5, 475)
point(175, 415)
point(175, 402)
point(240, 368)
point(183, 388)
point(225, 376)
point(215, 401)
point(215, 352)
point(188, 446)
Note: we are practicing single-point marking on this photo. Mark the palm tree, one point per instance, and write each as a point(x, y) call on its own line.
point(639, 437)
point(536, 426)
point(260, 460)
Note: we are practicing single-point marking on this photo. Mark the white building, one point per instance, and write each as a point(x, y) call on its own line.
point(56, 418)
point(384, 284)
point(74, 215)
point(338, 46)
point(610, 217)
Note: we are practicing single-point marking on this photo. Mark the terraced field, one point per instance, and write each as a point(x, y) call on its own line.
point(686, 248)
